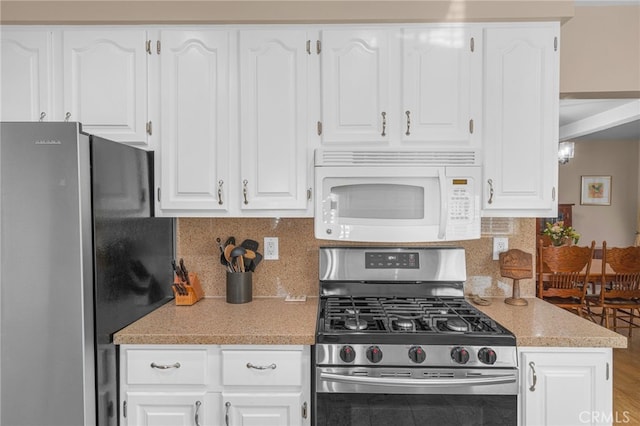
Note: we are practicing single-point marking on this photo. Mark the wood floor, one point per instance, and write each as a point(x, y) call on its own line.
point(626, 382)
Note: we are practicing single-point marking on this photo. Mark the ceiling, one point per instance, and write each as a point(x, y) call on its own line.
point(599, 119)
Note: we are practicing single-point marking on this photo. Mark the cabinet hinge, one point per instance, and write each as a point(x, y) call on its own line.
point(149, 128)
point(309, 47)
point(472, 44)
point(158, 47)
point(309, 194)
point(471, 126)
point(319, 128)
point(304, 410)
point(555, 44)
point(124, 409)
point(318, 47)
point(148, 47)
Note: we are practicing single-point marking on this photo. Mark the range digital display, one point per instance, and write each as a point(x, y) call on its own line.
point(390, 260)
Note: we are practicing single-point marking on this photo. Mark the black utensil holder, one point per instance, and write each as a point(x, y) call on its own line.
point(239, 287)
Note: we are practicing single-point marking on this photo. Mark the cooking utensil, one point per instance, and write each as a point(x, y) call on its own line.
point(256, 261)
point(227, 254)
point(250, 244)
point(237, 254)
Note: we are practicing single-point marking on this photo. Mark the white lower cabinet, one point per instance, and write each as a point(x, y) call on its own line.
point(566, 386)
point(214, 385)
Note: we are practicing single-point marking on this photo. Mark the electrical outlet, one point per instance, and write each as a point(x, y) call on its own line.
point(500, 244)
point(271, 248)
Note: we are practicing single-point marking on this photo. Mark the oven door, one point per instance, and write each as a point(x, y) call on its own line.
point(415, 396)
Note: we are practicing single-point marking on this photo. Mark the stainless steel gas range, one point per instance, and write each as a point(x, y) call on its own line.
point(398, 344)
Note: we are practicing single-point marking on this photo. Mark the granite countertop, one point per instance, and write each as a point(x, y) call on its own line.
point(263, 321)
point(272, 321)
point(542, 324)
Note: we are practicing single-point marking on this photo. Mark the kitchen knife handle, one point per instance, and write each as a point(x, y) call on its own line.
point(262, 367)
point(196, 417)
point(165, 366)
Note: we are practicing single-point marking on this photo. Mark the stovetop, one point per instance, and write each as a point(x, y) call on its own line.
point(407, 320)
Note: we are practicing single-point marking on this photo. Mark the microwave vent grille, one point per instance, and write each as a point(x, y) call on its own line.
point(393, 158)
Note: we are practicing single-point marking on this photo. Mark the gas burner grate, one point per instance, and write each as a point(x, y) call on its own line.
point(403, 315)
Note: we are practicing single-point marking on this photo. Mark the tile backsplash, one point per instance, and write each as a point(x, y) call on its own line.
point(296, 270)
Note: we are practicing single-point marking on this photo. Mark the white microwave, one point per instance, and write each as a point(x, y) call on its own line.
point(397, 196)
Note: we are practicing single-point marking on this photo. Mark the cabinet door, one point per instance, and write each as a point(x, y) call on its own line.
point(172, 408)
point(27, 75)
point(521, 120)
point(566, 387)
point(194, 138)
point(441, 92)
point(355, 86)
point(105, 82)
point(273, 409)
point(273, 117)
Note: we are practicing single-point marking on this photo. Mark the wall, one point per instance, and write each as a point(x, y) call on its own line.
point(615, 223)
point(600, 52)
point(296, 272)
point(281, 11)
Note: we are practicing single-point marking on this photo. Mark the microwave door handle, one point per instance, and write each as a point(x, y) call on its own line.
point(443, 204)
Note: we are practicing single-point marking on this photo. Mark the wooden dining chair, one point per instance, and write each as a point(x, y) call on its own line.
point(619, 294)
point(563, 274)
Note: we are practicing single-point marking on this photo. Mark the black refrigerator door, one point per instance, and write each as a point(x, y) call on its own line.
point(132, 255)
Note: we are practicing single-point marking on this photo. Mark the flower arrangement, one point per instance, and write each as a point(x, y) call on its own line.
point(560, 234)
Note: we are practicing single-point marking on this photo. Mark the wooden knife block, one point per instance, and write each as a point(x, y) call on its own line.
point(194, 290)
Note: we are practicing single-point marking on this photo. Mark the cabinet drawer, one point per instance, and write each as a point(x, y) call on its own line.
point(166, 367)
point(262, 368)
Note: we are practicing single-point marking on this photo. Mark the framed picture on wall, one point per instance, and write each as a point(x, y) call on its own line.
point(596, 191)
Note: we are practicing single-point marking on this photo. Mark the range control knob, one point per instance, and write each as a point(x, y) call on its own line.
point(347, 354)
point(460, 355)
point(487, 356)
point(416, 354)
point(374, 354)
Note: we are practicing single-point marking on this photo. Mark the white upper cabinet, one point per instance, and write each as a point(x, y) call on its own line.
point(27, 75)
point(194, 117)
point(441, 86)
point(521, 93)
point(273, 119)
point(105, 82)
point(355, 85)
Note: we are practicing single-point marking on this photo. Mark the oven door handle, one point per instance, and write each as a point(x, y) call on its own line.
point(483, 380)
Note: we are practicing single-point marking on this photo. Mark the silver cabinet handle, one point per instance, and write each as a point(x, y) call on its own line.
point(261, 367)
point(165, 366)
point(220, 183)
point(490, 182)
point(532, 365)
point(67, 116)
point(226, 413)
point(244, 191)
point(196, 418)
point(384, 124)
point(408, 113)
point(42, 115)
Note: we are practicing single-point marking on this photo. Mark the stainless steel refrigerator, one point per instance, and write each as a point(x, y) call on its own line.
point(81, 258)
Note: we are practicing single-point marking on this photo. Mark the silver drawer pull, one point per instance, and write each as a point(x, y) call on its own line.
point(165, 367)
point(261, 367)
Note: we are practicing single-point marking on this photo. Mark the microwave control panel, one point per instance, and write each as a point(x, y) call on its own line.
point(461, 200)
